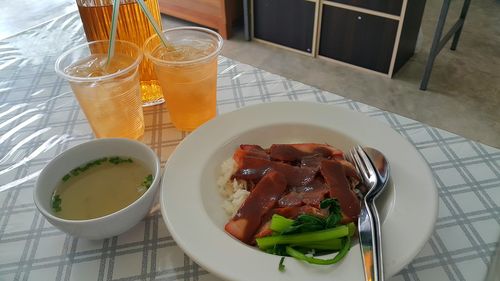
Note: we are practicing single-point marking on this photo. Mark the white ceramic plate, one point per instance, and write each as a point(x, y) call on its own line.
point(191, 204)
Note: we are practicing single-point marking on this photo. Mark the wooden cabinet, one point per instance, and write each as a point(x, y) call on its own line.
point(376, 35)
point(392, 7)
point(357, 38)
point(216, 14)
point(289, 23)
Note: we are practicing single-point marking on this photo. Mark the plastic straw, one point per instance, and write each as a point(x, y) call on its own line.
point(114, 24)
point(148, 14)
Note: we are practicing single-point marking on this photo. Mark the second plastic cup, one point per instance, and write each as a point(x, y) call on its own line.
point(187, 72)
point(109, 94)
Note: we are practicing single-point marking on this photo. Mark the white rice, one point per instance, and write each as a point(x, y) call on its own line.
point(233, 191)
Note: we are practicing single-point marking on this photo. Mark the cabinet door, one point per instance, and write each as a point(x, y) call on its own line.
point(285, 22)
point(385, 6)
point(357, 38)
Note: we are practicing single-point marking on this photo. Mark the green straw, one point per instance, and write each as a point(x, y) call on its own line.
point(148, 14)
point(114, 21)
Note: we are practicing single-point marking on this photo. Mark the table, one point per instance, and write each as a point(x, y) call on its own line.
point(40, 118)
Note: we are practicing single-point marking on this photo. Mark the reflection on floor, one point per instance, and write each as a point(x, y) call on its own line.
point(464, 91)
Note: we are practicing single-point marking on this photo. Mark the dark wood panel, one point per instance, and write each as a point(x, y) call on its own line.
point(217, 14)
point(357, 38)
point(286, 22)
point(409, 33)
point(386, 6)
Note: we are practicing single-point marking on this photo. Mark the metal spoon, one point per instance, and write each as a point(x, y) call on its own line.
point(375, 175)
point(381, 166)
point(366, 222)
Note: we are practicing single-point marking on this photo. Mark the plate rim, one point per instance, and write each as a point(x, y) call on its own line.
point(315, 107)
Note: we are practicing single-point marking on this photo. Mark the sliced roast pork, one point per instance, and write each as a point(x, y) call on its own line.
point(290, 180)
point(294, 212)
point(295, 152)
point(259, 202)
point(253, 169)
point(335, 177)
point(311, 194)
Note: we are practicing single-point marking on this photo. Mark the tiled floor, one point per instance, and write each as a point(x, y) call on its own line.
point(464, 91)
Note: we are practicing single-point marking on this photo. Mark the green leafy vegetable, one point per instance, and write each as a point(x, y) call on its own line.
point(66, 177)
point(329, 202)
point(281, 266)
point(78, 170)
point(306, 223)
point(145, 184)
point(341, 254)
point(309, 223)
point(335, 213)
point(280, 223)
point(332, 244)
point(309, 235)
point(56, 203)
point(117, 160)
point(148, 180)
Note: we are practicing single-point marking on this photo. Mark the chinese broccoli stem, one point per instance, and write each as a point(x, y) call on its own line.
point(280, 223)
point(332, 244)
point(300, 256)
point(309, 237)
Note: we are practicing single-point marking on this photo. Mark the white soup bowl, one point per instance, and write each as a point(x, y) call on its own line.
point(108, 225)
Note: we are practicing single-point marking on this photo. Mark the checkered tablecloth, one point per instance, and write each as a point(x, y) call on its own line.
point(40, 118)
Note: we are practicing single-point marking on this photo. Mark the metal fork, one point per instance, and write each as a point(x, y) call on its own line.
point(368, 222)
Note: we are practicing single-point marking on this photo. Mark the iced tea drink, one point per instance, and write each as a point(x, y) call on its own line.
point(108, 93)
point(133, 26)
point(187, 72)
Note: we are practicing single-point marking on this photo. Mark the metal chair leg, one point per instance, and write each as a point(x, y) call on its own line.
point(463, 14)
point(440, 41)
point(435, 44)
point(246, 19)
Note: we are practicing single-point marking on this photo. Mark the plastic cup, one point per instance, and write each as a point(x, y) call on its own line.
point(132, 26)
point(109, 95)
point(187, 72)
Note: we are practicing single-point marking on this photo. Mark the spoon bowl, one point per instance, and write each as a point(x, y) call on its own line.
point(366, 171)
point(382, 169)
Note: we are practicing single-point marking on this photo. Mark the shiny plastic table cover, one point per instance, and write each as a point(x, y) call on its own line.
point(40, 118)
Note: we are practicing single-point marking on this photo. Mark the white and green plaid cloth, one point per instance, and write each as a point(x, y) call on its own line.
point(40, 118)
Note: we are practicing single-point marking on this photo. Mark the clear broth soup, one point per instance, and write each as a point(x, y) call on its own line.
point(100, 187)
